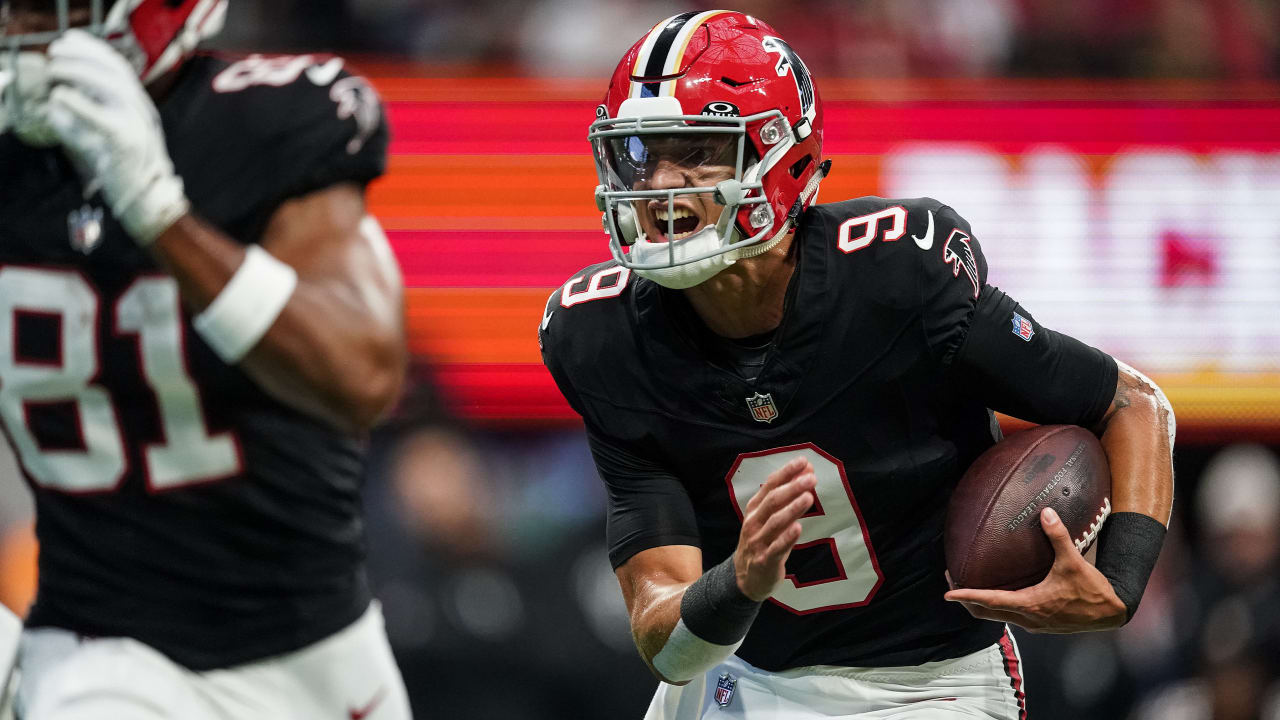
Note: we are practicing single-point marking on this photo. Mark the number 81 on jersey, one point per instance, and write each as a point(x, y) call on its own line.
point(834, 521)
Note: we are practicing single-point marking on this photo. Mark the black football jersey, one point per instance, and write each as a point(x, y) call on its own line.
point(176, 502)
point(891, 355)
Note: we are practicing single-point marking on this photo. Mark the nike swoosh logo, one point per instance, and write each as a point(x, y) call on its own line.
point(546, 319)
point(325, 74)
point(926, 242)
point(362, 713)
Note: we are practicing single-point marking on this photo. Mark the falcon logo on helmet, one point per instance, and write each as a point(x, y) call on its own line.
point(790, 63)
point(706, 89)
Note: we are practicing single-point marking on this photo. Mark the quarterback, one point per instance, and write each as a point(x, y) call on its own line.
point(198, 322)
point(780, 397)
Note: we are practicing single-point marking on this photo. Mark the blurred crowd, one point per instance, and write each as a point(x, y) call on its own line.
point(1225, 39)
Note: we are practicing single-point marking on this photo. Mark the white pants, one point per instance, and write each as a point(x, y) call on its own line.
point(349, 675)
point(984, 684)
point(10, 636)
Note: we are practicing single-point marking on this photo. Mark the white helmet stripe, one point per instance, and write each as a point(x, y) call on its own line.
point(675, 56)
point(653, 54)
point(642, 59)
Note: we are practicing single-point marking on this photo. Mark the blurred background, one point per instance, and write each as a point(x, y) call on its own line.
point(1118, 159)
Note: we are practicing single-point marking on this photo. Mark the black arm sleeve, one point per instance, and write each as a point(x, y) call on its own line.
point(648, 507)
point(1047, 377)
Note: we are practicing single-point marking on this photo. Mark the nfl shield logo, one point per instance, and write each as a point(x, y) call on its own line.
point(1022, 327)
point(85, 228)
point(762, 407)
point(724, 689)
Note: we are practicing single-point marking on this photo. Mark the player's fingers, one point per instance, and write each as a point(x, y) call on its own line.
point(776, 478)
point(781, 496)
point(1003, 616)
point(795, 468)
point(81, 45)
point(781, 519)
point(778, 550)
point(69, 111)
point(1014, 600)
point(1063, 547)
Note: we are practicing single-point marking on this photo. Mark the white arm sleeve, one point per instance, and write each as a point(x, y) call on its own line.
point(685, 656)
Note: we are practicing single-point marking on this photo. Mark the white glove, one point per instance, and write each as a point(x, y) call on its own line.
point(110, 128)
point(24, 103)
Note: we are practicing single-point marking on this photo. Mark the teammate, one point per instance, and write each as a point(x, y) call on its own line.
point(780, 397)
point(198, 321)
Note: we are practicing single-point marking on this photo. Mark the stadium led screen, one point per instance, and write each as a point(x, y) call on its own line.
point(1144, 219)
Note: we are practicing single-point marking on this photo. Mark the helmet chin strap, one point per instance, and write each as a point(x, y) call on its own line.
point(806, 196)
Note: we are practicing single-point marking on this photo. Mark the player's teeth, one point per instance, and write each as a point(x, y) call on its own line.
point(662, 215)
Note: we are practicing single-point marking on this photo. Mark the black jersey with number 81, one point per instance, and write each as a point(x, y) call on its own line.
point(176, 502)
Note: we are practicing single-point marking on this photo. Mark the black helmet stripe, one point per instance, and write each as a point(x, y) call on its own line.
point(662, 46)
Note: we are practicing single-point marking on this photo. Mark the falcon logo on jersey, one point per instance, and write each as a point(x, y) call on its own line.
point(1022, 327)
point(85, 228)
point(957, 252)
point(724, 689)
point(762, 407)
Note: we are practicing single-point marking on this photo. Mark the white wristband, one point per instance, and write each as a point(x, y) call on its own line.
point(685, 655)
point(247, 307)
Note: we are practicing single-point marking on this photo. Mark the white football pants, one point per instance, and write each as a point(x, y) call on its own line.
point(984, 684)
point(348, 675)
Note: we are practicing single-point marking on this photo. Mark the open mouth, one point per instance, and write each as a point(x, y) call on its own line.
point(683, 222)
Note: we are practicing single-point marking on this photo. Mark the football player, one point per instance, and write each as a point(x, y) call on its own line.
point(198, 322)
point(780, 397)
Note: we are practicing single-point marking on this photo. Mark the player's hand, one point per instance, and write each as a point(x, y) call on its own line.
point(24, 98)
point(771, 527)
point(111, 130)
point(1074, 597)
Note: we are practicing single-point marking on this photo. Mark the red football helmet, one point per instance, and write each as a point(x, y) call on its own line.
point(710, 78)
point(154, 35)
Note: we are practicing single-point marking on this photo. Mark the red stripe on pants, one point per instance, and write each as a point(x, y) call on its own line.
point(1013, 669)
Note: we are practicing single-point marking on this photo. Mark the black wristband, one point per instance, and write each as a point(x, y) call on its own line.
point(714, 609)
point(1127, 550)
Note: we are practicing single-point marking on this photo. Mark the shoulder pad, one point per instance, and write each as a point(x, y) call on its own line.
point(305, 111)
point(599, 282)
point(903, 252)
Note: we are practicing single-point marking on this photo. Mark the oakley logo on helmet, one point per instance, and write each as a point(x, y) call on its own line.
point(602, 112)
point(721, 109)
point(789, 61)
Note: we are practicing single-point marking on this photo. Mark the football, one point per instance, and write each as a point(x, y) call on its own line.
point(993, 535)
